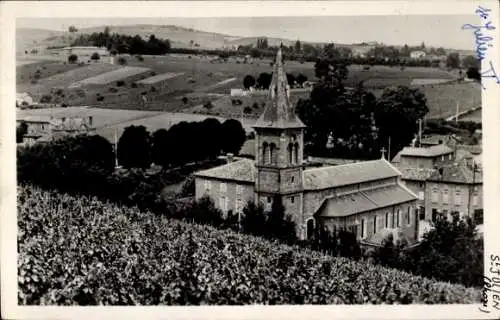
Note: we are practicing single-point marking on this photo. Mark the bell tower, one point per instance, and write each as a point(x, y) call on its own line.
point(279, 144)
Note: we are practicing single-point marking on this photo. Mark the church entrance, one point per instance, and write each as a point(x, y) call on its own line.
point(310, 229)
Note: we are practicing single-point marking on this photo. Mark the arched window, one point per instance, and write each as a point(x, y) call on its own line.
point(290, 153)
point(310, 228)
point(265, 147)
point(272, 154)
point(296, 152)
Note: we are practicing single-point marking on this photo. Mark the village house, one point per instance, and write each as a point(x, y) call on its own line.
point(46, 128)
point(417, 54)
point(366, 197)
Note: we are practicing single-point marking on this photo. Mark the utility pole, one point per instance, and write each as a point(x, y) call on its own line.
point(419, 132)
point(116, 150)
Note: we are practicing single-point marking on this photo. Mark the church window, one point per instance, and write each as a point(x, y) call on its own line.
point(272, 148)
point(223, 187)
point(458, 197)
point(269, 199)
point(445, 196)
point(362, 228)
point(265, 148)
point(296, 153)
point(290, 153)
point(374, 224)
point(292, 199)
point(393, 220)
point(222, 204)
point(408, 221)
point(398, 217)
point(434, 195)
point(387, 219)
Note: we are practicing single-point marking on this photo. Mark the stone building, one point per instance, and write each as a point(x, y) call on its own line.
point(365, 197)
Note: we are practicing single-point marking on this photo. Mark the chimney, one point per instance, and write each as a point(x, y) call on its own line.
point(91, 120)
point(230, 157)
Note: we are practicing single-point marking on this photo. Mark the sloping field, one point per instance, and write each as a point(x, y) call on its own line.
point(65, 79)
point(81, 251)
point(475, 116)
point(113, 75)
point(25, 73)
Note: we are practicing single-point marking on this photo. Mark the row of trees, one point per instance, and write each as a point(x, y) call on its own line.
point(263, 81)
point(183, 143)
point(118, 43)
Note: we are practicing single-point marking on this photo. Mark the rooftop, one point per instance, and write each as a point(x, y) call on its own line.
point(459, 172)
point(241, 170)
point(336, 176)
point(279, 112)
point(362, 201)
point(430, 152)
point(418, 174)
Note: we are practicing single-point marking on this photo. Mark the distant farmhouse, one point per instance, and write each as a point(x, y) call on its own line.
point(366, 197)
point(417, 54)
point(46, 128)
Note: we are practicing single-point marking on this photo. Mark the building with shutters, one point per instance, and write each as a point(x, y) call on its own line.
point(366, 197)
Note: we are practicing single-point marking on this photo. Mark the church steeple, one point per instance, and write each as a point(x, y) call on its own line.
point(279, 112)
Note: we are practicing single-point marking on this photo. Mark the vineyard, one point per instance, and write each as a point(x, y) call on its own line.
point(80, 251)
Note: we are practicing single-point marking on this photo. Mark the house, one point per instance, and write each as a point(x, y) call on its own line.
point(417, 54)
point(46, 128)
point(456, 188)
point(23, 99)
point(364, 197)
point(417, 157)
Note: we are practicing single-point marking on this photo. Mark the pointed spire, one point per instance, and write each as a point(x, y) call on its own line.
point(279, 112)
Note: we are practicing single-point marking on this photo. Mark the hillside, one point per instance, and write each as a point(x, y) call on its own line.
point(78, 250)
point(29, 38)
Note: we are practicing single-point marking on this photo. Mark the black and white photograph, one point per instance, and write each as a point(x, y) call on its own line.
point(250, 158)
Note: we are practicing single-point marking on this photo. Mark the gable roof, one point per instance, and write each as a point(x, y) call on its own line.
point(362, 201)
point(457, 173)
point(241, 170)
point(336, 176)
point(433, 151)
point(279, 112)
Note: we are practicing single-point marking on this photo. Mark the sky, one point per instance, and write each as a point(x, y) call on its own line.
point(433, 30)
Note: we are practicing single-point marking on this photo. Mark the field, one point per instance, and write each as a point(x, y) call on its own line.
point(26, 72)
point(81, 251)
point(112, 76)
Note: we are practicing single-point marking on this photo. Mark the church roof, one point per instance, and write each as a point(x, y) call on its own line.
point(336, 176)
point(241, 170)
point(279, 112)
point(362, 201)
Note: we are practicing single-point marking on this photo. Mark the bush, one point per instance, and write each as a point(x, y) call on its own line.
point(122, 61)
point(185, 100)
point(153, 89)
point(208, 105)
point(139, 57)
point(73, 58)
point(247, 110)
point(113, 90)
point(46, 98)
point(120, 83)
point(255, 105)
point(133, 85)
point(100, 98)
point(95, 56)
point(64, 105)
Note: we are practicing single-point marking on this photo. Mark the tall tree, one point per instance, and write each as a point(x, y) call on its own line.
point(21, 130)
point(253, 219)
point(248, 81)
point(453, 60)
point(298, 46)
point(160, 150)
point(234, 136)
point(471, 62)
point(264, 80)
point(134, 147)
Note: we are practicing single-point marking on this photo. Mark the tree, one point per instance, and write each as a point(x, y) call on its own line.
point(396, 116)
point(451, 251)
point(290, 79)
point(73, 58)
point(298, 46)
point(95, 56)
point(264, 80)
point(453, 60)
point(471, 62)
point(473, 73)
point(234, 136)
point(248, 82)
point(278, 225)
point(301, 79)
point(210, 138)
point(72, 29)
point(134, 147)
point(159, 150)
point(253, 219)
point(122, 61)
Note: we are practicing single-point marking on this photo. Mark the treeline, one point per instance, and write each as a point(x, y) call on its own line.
point(118, 43)
point(183, 143)
point(263, 81)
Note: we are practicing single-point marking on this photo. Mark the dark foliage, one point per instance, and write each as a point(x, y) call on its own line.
point(134, 147)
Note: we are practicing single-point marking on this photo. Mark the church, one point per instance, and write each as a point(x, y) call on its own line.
point(367, 198)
